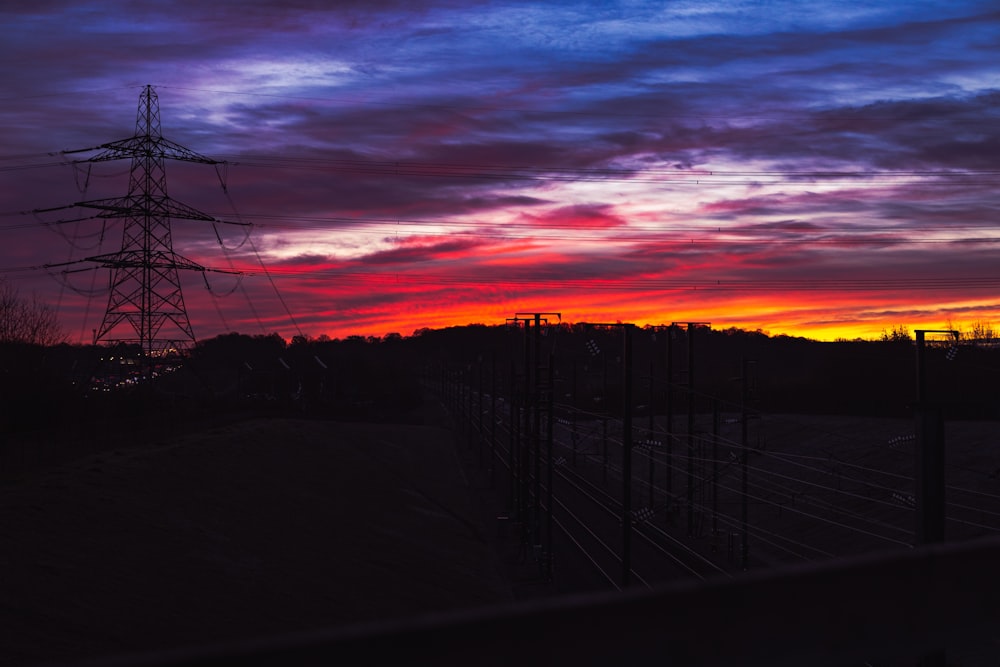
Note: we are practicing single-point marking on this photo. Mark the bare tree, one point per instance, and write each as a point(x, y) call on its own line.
point(27, 320)
point(983, 332)
point(898, 334)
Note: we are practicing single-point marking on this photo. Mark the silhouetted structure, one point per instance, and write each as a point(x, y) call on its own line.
point(145, 303)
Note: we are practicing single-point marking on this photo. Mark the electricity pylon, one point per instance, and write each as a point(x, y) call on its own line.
point(145, 291)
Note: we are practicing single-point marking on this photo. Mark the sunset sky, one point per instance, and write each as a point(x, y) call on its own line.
point(824, 169)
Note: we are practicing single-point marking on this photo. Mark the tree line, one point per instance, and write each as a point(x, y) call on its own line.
point(45, 381)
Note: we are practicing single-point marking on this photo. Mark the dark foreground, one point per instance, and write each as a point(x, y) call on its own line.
point(258, 528)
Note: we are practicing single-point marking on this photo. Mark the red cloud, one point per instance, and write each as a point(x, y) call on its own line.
point(580, 216)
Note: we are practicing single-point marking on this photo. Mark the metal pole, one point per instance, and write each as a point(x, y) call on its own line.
point(652, 428)
point(930, 475)
point(627, 458)
point(548, 483)
point(573, 415)
point(921, 374)
point(604, 399)
point(604, 389)
point(669, 436)
point(467, 385)
point(604, 447)
point(493, 419)
point(690, 432)
point(536, 431)
point(512, 438)
point(479, 416)
point(524, 460)
point(715, 468)
point(745, 444)
point(929, 458)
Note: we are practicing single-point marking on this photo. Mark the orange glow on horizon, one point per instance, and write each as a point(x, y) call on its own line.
point(779, 317)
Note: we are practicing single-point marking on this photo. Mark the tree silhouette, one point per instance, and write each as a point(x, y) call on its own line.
point(27, 320)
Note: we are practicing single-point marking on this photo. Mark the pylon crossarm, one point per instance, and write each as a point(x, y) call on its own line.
point(143, 147)
point(181, 262)
point(58, 264)
point(228, 272)
point(118, 207)
point(78, 150)
point(111, 263)
point(123, 207)
point(175, 209)
point(174, 151)
point(123, 260)
point(54, 208)
point(160, 149)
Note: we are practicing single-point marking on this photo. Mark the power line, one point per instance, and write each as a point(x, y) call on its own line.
point(624, 234)
point(638, 174)
point(631, 284)
point(821, 114)
point(556, 172)
point(605, 283)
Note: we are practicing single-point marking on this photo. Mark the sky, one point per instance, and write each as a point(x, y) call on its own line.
point(826, 169)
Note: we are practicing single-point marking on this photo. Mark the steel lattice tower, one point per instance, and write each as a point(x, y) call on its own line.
point(145, 303)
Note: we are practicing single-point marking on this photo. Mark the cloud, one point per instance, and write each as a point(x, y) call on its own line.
point(415, 250)
point(579, 216)
point(424, 164)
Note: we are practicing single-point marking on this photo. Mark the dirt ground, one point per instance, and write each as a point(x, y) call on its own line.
point(264, 526)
